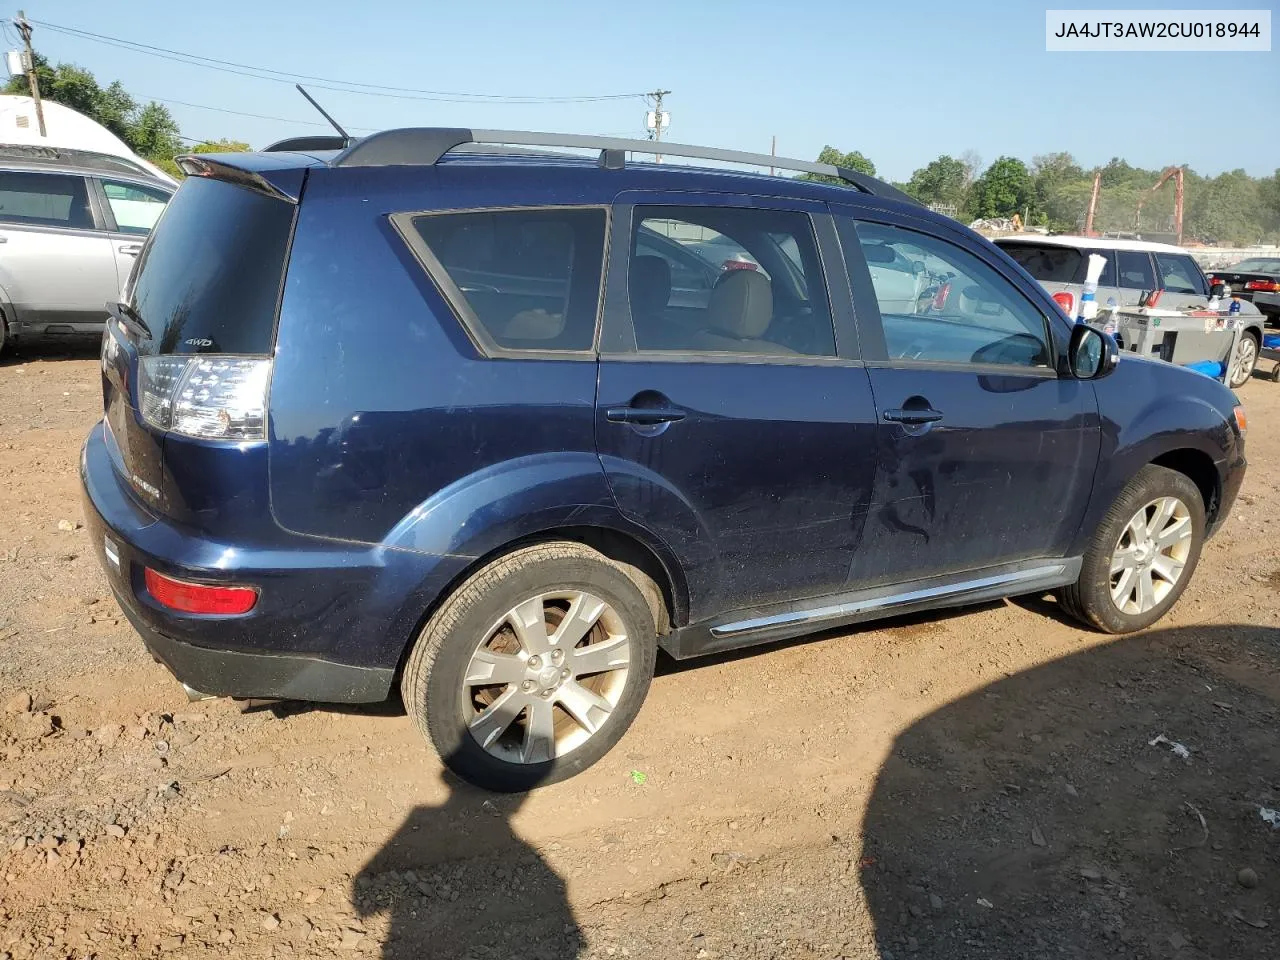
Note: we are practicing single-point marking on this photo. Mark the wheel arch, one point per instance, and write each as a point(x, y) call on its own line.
point(1199, 467)
point(649, 565)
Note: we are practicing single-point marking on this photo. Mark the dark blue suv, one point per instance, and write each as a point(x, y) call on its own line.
point(494, 426)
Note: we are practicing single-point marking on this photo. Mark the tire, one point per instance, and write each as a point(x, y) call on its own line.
point(1245, 359)
point(1090, 599)
point(455, 709)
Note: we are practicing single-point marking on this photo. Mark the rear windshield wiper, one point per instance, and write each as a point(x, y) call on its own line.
point(131, 319)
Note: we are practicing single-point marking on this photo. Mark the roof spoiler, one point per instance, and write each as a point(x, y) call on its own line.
point(424, 146)
point(261, 172)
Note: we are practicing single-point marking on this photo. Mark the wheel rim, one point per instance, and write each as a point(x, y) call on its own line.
point(1150, 556)
point(546, 677)
point(1246, 357)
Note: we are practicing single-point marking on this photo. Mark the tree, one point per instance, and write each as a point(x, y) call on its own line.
point(1056, 181)
point(944, 180)
point(221, 146)
point(1002, 190)
point(850, 161)
point(149, 131)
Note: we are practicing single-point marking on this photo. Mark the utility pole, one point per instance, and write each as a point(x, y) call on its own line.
point(24, 28)
point(657, 119)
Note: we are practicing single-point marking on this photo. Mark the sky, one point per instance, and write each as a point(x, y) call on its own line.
point(902, 82)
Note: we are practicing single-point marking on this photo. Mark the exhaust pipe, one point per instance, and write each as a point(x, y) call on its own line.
point(194, 695)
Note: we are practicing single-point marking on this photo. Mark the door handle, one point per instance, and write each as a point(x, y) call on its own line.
point(133, 249)
point(644, 415)
point(912, 416)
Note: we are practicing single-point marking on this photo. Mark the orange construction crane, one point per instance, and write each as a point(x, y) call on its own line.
point(1093, 205)
point(1178, 177)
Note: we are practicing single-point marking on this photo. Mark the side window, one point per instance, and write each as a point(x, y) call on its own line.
point(1108, 278)
point(520, 279)
point(1179, 274)
point(135, 208)
point(940, 303)
point(1135, 270)
point(48, 199)
point(688, 272)
point(765, 295)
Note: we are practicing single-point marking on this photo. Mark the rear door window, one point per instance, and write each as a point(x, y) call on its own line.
point(135, 208)
point(1135, 270)
point(1047, 263)
point(1179, 274)
point(208, 280)
point(518, 279)
point(46, 199)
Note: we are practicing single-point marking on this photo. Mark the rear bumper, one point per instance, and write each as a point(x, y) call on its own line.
point(19, 328)
point(331, 624)
point(235, 673)
point(1267, 302)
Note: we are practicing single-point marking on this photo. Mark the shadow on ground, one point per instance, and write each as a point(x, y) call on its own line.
point(1036, 818)
point(457, 883)
point(17, 353)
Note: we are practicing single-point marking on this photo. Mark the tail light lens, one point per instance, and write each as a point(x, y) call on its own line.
point(1066, 301)
point(187, 597)
point(219, 398)
point(1266, 285)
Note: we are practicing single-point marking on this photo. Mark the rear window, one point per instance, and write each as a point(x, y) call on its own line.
point(520, 279)
point(209, 278)
point(1048, 264)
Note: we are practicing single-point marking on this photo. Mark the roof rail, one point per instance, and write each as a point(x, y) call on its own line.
point(424, 146)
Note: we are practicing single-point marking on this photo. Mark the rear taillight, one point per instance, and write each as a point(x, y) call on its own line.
point(187, 597)
point(220, 398)
point(1265, 285)
point(1066, 301)
point(940, 298)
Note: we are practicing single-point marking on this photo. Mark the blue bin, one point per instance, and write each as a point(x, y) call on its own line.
point(1210, 368)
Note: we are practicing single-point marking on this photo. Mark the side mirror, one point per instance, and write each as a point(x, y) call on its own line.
point(1091, 354)
point(1218, 289)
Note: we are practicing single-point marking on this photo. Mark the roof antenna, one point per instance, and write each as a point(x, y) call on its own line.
point(346, 137)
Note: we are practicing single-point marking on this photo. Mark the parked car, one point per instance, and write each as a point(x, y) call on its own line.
point(71, 224)
point(1133, 266)
point(1256, 279)
point(453, 435)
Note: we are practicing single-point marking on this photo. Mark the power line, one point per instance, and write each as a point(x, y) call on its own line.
point(325, 83)
point(241, 113)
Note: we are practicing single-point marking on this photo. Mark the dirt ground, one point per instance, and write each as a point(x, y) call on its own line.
point(978, 784)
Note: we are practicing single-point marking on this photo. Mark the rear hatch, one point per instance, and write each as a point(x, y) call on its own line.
point(186, 356)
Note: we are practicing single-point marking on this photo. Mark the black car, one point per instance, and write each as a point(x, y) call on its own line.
point(1256, 279)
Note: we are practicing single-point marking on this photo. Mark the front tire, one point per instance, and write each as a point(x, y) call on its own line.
point(533, 668)
point(1142, 555)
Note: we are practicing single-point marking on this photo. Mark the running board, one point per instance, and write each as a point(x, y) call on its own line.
point(785, 621)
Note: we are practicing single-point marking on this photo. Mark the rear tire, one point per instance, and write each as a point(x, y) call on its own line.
point(533, 668)
point(1245, 359)
point(1143, 554)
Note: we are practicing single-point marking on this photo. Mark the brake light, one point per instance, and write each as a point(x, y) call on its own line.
point(1066, 301)
point(1266, 285)
point(220, 398)
point(187, 597)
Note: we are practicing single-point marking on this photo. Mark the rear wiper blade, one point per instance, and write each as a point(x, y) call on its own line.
point(131, 319)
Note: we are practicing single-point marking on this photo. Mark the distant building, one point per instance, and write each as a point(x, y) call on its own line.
point(67, 129)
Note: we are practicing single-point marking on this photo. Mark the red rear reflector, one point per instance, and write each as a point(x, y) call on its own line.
point(189, 597)
point(1067, 302)
point(1262, 285)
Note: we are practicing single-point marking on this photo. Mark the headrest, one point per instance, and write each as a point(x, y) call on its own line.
point(650, 283)
point(741, 304)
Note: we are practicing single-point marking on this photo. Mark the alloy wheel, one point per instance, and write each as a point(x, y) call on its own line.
point(546, 677)
point(1150, 555)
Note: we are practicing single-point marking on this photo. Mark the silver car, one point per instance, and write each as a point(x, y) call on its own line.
point(1058, 263)
point(71, 227)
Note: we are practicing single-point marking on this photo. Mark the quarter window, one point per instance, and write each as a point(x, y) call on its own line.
point(1135, 270)
point(49, 199)
point(760, 288)
point(521, 279)
point(940, 303)
point(135, 208)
